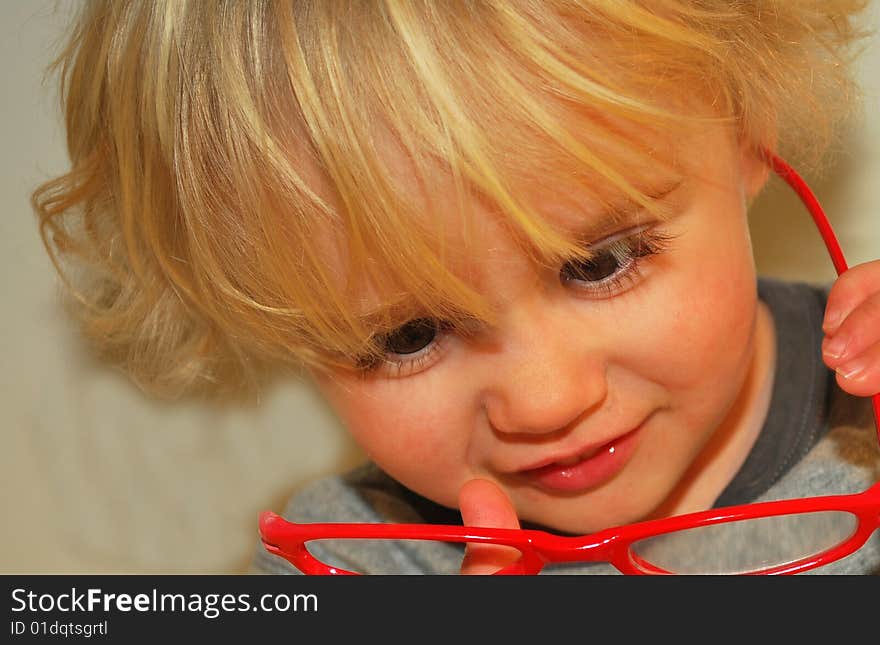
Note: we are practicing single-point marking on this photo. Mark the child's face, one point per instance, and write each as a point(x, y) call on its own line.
point(587, 403)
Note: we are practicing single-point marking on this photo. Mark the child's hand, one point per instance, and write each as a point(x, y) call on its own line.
point(852, 327)
point(484, 504)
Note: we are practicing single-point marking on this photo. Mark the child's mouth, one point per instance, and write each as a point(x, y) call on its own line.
point(582, 472)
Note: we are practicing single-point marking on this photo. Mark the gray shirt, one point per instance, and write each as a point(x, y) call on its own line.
point(816, 440)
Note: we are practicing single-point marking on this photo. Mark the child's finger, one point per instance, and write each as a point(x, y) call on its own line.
point(858, 331)
point(484, 504)
point(849, 291)
point(860, 375)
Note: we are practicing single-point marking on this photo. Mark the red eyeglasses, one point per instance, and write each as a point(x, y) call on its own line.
point(783, 537)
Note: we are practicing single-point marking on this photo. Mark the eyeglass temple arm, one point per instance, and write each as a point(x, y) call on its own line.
point(793, 179)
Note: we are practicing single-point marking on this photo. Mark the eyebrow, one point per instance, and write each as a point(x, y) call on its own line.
point(613, 214)
point(387, 318)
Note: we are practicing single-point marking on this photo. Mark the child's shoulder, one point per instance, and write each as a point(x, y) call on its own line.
point(364, 494)
point(353, 496)
point(846, 459)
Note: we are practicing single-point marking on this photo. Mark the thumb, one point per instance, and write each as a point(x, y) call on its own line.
point(484, 504)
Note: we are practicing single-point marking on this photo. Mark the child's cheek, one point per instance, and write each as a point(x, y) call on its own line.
point(409, 428)
point(706, 332)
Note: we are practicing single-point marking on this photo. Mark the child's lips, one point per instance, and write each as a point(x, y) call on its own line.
point(587, 469)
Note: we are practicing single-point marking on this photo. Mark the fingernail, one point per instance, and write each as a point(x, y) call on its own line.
point(835, 347)
point(852, 369)
point(831, 321)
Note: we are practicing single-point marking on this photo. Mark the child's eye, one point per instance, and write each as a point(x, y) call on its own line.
point(412, 347)
point(614, 262)
point(411, 337)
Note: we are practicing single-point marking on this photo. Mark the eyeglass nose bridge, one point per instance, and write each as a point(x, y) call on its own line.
point(605, 546)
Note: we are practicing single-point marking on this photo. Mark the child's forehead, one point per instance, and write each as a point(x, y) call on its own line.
point(568, 192)
point(576, 200)
point(483, 249)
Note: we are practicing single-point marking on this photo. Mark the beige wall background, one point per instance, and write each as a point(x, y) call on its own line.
point(96, 478)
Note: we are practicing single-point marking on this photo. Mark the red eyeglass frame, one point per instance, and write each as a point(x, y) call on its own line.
point(612, 545)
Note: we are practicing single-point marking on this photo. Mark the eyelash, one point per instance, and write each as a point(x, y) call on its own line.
point(636, 249)
point(646, 242)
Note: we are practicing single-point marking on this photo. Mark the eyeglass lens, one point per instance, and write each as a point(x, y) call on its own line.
point(745, 546)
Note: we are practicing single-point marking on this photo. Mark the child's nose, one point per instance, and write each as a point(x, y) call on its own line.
point(546, 384)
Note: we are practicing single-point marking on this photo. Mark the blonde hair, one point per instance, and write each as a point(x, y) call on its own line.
point(222, 151)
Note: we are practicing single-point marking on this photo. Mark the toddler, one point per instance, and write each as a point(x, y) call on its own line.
point(508, 241)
